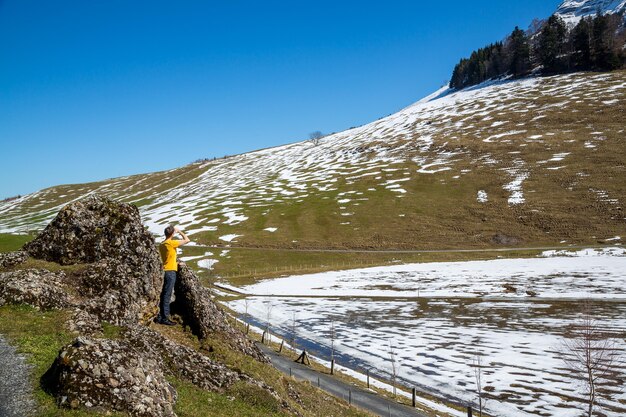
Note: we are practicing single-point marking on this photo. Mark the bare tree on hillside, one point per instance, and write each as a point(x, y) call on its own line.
point(477, 364)
point(268, 316)
point(395, 367)
point(315, 137)
point(591, 353)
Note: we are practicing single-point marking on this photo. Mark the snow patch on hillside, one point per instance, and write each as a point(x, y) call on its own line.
point(220, 193)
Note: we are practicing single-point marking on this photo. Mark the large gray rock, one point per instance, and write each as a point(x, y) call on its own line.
point(119, 282)
point(101, 374)
point(205, 318)
point(36, 287)
point(93, 229)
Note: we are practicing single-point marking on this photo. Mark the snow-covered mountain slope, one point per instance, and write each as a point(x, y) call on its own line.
point(533, 160)
point(573, 10)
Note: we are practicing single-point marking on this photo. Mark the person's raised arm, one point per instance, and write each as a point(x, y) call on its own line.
point(184, 236)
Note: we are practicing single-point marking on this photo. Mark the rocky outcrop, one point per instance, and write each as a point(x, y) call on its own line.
point(129, 374)
point(83, 322)
point(123, 280)
point(118, 292)
point(118, 281)
point(181, 361)
point(204, 317)
point(93, 229)
point(190, 365)
point(102, 374)
point(10, 259)
point(36, 287)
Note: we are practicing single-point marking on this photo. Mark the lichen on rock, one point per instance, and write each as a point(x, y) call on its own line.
point(102, 374)
point(36, 287)
point(10, 259)
point(93, 229)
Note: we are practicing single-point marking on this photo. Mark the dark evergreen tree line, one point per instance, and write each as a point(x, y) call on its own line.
point(595, 43)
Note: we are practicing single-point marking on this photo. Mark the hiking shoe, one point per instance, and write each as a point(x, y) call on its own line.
point(167, 322)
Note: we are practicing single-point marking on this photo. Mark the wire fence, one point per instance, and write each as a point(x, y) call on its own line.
point(372, 378)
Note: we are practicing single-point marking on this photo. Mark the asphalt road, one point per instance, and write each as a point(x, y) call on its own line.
point(16, 398)
point(359, 397)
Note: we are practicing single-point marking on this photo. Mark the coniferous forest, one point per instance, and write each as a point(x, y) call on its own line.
point(595, 44)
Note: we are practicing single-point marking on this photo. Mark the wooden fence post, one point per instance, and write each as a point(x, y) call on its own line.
point(469, 411)
point(414, 394)
point(332, 367)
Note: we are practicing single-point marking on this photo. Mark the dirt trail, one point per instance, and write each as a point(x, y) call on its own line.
point(513, 249)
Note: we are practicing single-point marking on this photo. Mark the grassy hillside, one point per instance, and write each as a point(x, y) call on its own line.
point(521, 163)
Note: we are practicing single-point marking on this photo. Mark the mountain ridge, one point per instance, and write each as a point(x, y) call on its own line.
point(571, 11)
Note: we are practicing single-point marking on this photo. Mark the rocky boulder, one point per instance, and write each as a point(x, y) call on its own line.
point(93, 229)
point(36, 287)
point(204, 317)
point(118, 281)
point(123, 279)
point(10, 259)
point(102, 374)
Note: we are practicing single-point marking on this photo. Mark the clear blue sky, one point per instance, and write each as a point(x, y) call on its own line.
point(97, 89)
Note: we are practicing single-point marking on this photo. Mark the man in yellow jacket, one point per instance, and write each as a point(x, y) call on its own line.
point(167, 249)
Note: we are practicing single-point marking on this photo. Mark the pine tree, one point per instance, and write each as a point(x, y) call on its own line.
point(519, 53)
point(581, 44)
point(603, 55)
point(552, 45)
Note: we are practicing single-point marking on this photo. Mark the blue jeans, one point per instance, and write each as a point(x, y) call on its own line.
point(169, 280)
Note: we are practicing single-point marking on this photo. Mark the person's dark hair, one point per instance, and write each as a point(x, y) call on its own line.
point(169, 231)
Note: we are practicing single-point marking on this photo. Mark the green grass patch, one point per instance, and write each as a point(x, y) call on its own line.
point(11, 242)
point(242, 266)
point(110, 331)
point(247, 402)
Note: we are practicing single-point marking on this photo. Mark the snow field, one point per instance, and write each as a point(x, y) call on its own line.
point(439, 316)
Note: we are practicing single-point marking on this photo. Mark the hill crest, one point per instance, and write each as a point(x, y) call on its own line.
point(538, 159)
